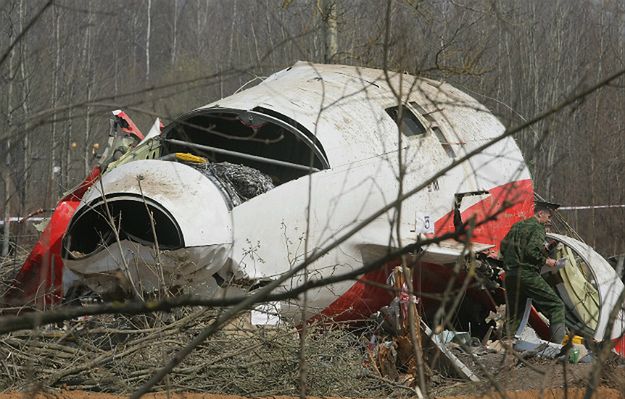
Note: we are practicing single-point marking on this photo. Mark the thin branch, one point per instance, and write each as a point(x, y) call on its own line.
point(24, 31)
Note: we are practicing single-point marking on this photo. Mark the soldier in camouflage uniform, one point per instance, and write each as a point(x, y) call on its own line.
point(524, 254)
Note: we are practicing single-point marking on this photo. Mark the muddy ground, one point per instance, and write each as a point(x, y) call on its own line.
point(538, 375)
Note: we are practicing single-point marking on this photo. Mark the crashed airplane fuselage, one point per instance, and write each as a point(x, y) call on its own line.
point(238, 192)
point(339, 123)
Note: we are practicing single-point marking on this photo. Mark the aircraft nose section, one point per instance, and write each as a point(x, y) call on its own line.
point(149, 224)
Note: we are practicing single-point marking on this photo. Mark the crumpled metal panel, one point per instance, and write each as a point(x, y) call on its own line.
point(128, 268)
point(607, 282)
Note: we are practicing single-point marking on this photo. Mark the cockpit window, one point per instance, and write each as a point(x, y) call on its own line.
point(444, 143)
point(409, 125)
point(437, 131)
point(263, 140)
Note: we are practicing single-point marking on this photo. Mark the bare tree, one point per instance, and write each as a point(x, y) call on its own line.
point(330, 29)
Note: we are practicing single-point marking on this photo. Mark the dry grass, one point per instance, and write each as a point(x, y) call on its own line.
point(116, 354)
point(9, 266)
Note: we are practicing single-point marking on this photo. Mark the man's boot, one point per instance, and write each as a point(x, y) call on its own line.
point(557, 332)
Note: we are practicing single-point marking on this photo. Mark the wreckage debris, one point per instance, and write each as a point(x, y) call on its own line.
point(455, 354)
point(177, 224)
point(248, 182)
point(162, 236)
point(240, 182)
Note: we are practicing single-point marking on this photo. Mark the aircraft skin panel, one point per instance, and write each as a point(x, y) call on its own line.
point(129, 126)
point(499, 163)
point(348, 131)
point(469, 120)
point(362, 299)
point(344, 108)
point(191, 269)
point(340, 198)
point(356, 129)
point(517, 198)
point(182, 190)
point(261, 260)
point(154, 131)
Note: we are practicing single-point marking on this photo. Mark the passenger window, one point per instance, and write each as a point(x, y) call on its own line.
point(409, 124)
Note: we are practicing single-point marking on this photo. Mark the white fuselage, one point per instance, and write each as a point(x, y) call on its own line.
point(346, 110)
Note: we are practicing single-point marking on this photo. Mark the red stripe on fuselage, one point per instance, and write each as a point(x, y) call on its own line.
point(40, 280)
point(514, 201)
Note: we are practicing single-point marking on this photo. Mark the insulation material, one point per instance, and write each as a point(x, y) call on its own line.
point(248, 182)
point(240, 182)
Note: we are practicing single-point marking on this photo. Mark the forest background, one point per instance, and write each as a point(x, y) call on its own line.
point(64, 65)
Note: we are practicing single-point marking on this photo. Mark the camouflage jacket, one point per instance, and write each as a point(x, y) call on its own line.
point(524, 246)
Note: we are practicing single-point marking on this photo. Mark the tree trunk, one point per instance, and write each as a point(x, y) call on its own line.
point(68, 145)
point(26, 147)
point(55, 189)
point(6, 176)
point(593, 137)
point(174, 34)
point(88, 67)
point(233, 27)
point(6, 170)
point(330, 31)
point(147, 42)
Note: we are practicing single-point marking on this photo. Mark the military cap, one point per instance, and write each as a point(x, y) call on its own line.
point(544, 205)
